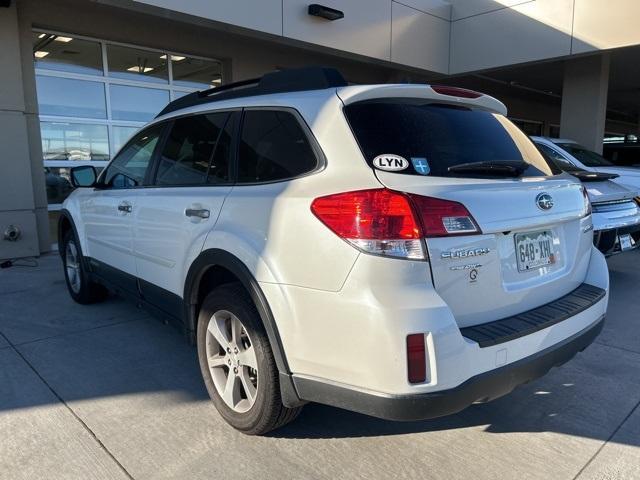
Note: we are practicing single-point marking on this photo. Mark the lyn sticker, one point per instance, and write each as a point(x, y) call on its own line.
point(421, 165)
point(390, 162)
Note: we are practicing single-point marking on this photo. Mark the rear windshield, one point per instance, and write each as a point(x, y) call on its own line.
point(585, 156)
point(431, 138)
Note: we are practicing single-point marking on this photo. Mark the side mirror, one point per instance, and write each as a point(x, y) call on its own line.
point(83, 176)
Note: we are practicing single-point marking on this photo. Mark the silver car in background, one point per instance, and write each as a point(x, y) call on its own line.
point(616, 207)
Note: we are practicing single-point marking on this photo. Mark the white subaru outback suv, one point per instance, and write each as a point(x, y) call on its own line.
point(402, 251)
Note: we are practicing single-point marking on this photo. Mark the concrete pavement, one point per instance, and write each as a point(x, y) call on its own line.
point(105, 391)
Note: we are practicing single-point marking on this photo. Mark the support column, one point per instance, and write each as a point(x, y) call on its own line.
point(584, 100)
point(17, 199)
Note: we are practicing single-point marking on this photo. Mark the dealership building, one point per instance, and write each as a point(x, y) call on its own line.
point(78, 77)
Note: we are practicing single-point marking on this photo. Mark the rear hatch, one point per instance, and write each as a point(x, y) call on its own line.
point(518, 233)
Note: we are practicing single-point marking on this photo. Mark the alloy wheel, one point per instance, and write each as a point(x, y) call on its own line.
point(232, 361)
point(72, 266)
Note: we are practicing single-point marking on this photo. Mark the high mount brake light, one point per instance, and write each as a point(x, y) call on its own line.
point(388, 223)
point(455, 91)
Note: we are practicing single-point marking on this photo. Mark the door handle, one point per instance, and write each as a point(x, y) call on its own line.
point(197, 212)
point(124, 207)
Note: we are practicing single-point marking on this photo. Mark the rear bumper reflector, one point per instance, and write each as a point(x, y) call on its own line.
point(507, 329)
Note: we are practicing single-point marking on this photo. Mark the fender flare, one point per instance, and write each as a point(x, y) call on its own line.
point(216, 257)
point(66, 215)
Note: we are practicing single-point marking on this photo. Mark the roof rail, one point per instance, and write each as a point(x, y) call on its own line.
point(290, 80)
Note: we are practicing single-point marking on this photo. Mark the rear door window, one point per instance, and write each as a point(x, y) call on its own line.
point(557, 159)
point(586, 156)
point(430, 138)
point(188, 152)
point(273, 146)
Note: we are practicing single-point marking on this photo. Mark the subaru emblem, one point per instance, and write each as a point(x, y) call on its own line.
point(544, 201)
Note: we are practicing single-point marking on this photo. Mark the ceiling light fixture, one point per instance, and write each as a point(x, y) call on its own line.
point(63, 39)
point(136, 69)
point(175, 58)
point(40, 54)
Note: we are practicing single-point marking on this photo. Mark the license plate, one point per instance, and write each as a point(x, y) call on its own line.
point(626, 242)
point(534, 250)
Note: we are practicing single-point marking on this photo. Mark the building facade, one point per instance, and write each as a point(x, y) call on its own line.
point(78, 77)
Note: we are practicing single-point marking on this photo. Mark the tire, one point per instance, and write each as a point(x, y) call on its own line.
point(76, 276)
point(254, 393)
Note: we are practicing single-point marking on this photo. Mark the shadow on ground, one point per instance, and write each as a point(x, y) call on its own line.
point(115, 350)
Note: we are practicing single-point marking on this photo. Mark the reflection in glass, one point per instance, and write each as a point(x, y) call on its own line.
point(177, 94)
point(135, 64)
point(136, 103)
point(74, 141)
point(70, 98)
point(66, 54)
point(196, 73)
point(121, 135)
point(58, 182)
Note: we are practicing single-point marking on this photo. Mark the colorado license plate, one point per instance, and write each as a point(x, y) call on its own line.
point(534, 250)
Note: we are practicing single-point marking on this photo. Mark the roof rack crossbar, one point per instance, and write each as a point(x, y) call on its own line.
point(292, 80)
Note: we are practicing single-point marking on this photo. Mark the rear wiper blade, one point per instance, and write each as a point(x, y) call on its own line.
point(586, 176)
point(510, 169)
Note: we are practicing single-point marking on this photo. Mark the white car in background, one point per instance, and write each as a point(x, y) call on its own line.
point(616, 206)
point(589, 160)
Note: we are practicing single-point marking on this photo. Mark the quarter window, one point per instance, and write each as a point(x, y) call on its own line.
point(130, 166)
point(273, 147)
point(189, 149)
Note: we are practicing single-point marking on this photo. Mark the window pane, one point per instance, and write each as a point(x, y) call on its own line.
point(70, 98)
point(135, 64)
point(130, 165)
point(67, 54)
point(435, 137)
point(584, 155)
point(177, 94)
point(530, 128)
point(273, 147)
point(74, 141)
point(196, 73)
point(136, 103)
point(121, 135)
point(189, 148)
point(219, 168)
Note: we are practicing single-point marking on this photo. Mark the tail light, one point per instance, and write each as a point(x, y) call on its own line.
point(384, 222)
point(376, 221)
point(416, 358)
point(587, 203)
point(442, 218)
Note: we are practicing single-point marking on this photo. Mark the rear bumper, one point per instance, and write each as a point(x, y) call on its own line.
point(480, 388)
point(607, 240)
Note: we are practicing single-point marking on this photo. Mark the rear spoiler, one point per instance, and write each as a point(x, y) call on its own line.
point(439, 93)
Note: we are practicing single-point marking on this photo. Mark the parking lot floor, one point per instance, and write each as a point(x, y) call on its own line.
point(106, 391)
